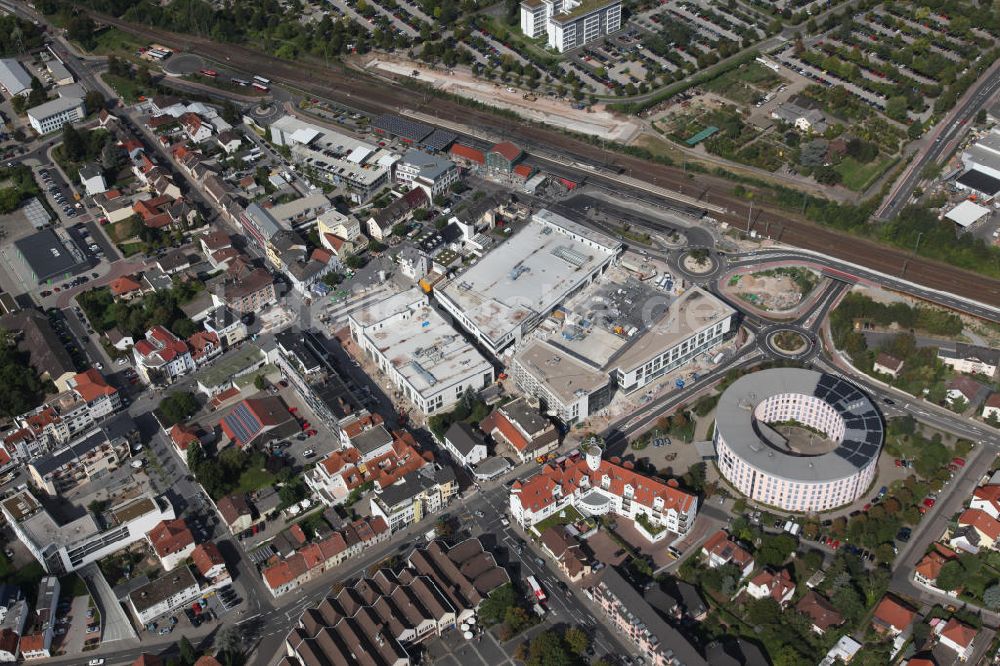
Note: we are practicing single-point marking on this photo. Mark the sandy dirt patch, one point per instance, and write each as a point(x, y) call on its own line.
point(599, 122)
point(773, 290)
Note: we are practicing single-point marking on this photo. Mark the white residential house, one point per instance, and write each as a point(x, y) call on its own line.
point(778, 586)
point(464, 444)
point(413, 263)
point(172, 542)
point(52, 115)
point(163, 595)
point(162, 356)
point(959, 637)
point(987, 499)
point(597, 487)
point(92, 179)
point(569, 24)
point(888, 365)
point(971, 359)
point(431, 173)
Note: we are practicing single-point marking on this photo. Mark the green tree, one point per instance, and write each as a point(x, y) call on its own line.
point(94, 101)
point(230, 113)
point(73, 145)
point(81, 28)
point(177, 407)
point(991, 597)
point(260, 382)
point(548, 649)
point(188, 654)
point(775, 549)
point(195, 455)
point(951, 577)
point(577, 640)
point(494, 607)
point(354, 261)
point(895, 108)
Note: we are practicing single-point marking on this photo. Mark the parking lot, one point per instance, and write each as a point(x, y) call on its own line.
point(75, 626)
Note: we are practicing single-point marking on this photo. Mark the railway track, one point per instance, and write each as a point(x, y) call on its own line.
point(371, 94)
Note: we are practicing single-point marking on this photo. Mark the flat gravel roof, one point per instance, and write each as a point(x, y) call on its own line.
point(863, 434)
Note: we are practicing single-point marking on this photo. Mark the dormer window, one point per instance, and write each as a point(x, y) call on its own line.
point(605, 482)
point(629, 490)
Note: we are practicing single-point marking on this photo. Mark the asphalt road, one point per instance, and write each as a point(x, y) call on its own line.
point(941, 142)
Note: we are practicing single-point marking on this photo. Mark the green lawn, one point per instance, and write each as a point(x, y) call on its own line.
point(254, 479)
point(114, 42)
point(857, 176)
point(743, 84)
point(128, 249)
point(564, 517)
point(128, 89)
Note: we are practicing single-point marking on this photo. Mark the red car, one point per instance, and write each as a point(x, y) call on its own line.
point(958, 461)
point(836, 544)
point(899, 463)
point(928, 502)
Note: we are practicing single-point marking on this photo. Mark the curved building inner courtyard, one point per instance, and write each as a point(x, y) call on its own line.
point(797, 439)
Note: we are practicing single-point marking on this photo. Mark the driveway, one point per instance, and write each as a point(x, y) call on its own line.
point(116, 625)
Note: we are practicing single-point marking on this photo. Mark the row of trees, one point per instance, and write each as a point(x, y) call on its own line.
point(159, 308)
point(21, 185)
point(20, 387)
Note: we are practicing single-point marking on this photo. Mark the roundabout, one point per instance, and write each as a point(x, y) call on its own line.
point(698, 265)
point(789, 342)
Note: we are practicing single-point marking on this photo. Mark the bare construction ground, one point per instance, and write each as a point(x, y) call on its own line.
point(598, 122)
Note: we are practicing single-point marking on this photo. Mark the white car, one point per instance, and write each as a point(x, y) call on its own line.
point(309, 452)
point(96, 662)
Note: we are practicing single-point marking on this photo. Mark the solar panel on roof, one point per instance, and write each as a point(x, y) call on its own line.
point(402, 127)
point(243, 423)
point(440, 139)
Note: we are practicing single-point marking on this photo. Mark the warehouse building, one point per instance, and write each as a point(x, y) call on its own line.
point(576, 371)
point(14, 77)
point(47, 257)
point(508, 292)
point(423, 356)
